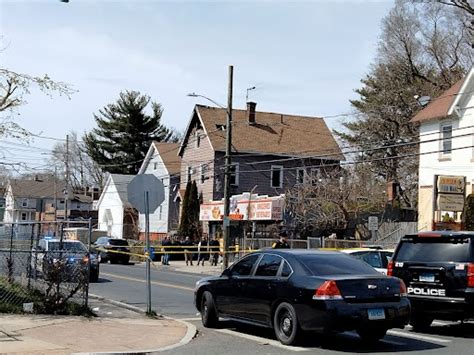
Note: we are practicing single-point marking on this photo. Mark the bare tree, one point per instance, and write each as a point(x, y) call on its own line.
point(13, 89)
point(83, 171)
point(329, 202)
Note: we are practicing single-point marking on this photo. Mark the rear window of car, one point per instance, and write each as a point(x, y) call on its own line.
point(336, 264)
point(434, 249)
point(119, 242)
point(74, 247)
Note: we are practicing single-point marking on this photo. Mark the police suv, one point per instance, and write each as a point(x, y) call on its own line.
point(438, 270)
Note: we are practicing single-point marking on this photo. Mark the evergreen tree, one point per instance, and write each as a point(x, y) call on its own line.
point(185, 210)
point(124, 133)
point(194, 205)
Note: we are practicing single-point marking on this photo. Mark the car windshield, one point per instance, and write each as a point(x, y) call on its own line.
point(434, 249)
point(336, 264)
point(119, 242)
point(68, 246)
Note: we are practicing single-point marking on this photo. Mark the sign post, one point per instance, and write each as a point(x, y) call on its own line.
point(373, 226)
point(146, 192)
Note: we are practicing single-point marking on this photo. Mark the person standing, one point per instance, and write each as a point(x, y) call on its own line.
point(214, 248)
point(188, 256)
point(165, 259)
point(202, 250)
point(281, 243)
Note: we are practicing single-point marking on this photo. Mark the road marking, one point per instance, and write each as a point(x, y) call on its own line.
point(261, 340)
point(189, 319)
point(417, 336)
point(164, 284)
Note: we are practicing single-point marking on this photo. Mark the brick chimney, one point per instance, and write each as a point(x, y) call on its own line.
point(251, 112)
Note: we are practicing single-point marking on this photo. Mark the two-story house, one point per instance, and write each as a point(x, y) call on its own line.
point(446, 170)
point(270, 151)
point(28, 201)
point(162, 160)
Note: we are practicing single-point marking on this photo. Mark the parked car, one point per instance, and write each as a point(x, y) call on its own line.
point(377, 258)
point(438, 268)
point(73, 255)
point(301, 290)
point(114, 250)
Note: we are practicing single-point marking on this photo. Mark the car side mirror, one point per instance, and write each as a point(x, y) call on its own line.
point(227, 272)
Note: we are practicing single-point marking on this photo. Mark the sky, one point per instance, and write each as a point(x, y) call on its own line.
point(304, 57)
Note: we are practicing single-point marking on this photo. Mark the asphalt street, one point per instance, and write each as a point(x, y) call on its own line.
point(172, 295)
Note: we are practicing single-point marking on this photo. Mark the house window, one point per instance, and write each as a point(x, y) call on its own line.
point(300, 175)
point(189, 173)
point(24, 202)
point(23, 216)
point(276, 176)
point(78, 206)
point(234, 174)
point(446, 139)
point(203, 173)
point(197, 139)
point(155, 165)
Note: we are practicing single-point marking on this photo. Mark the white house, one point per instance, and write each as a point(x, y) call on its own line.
point(446, 170)
point(116, 214)
point(162, 160)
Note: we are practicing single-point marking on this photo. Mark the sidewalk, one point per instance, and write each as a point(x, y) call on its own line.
point(180, 266)
point(116, 330)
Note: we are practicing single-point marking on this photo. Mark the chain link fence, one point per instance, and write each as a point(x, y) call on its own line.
point(42, 271)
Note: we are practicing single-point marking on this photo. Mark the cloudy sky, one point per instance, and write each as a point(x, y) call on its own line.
point(305, 57)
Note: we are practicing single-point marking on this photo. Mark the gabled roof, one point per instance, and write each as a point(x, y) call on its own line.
point(272, 133)
point(43, 189)
point(120, 181)
point(169, 155)
point(443, 105)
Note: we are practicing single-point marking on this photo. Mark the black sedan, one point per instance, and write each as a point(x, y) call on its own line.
point(295, 291)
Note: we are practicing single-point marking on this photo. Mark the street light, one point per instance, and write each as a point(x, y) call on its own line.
point(228, 163)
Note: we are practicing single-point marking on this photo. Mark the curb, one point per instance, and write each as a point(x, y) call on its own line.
point(190, 333)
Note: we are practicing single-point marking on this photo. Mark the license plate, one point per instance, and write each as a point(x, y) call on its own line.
point(376, 313)
point(427, 278)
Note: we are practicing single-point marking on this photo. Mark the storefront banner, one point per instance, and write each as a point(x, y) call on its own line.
point(260, 208)
point(451, 184)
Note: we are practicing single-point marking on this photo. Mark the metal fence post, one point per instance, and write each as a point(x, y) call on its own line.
point(89, 237)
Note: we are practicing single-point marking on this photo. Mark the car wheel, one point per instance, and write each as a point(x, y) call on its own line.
point(371, 335)
point(102, 258)
point(113, 261)
point(420, 321)
point(285, 324)
point(208, 310)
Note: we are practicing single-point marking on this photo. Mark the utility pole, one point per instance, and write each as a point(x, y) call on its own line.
point(66, 187)
point(228, 163)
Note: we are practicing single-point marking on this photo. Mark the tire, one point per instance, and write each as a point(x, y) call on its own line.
point(420, 321)
point(103, 258)
point(285, 324)
point(113, 261)
point(208, 310)
point(371, 335)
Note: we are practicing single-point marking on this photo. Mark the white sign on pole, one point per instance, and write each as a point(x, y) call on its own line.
point(373, 223)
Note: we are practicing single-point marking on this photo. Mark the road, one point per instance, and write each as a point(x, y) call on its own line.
point(172, 295)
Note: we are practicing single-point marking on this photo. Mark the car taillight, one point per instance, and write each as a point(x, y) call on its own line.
point(470, 275)
point(328, 291)
point(390, 268)
point(403, 289)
